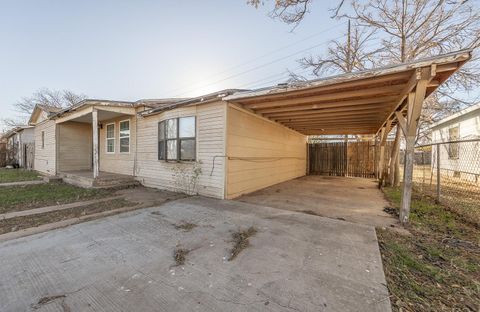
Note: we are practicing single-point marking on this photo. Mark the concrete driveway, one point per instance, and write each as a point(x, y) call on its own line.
point(346, 198)
point(295, 262)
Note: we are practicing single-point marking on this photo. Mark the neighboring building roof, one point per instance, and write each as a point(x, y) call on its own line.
point(463, 112)
point(49, 109)
point(15, 130)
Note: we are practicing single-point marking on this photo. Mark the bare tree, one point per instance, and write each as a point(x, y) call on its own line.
point(414, 29)
point(47, 97)
point(289, 11)
point(347, 55)
point(293, 11)
point(408, 30)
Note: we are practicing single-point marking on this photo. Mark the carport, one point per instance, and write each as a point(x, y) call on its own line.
point(370, 102)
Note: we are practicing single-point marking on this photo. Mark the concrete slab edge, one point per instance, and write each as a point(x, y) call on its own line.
point(22, 213)
point(64, 223)
point(22, 183)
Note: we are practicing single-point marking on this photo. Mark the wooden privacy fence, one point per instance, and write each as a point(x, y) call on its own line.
point(327, 158)
point(352, 159)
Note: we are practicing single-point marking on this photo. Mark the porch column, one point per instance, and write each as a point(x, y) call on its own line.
point(414, 105)
point(95, 142)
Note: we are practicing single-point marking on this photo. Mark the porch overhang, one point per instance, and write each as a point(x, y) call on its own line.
point(84, 113)
point(354, 103)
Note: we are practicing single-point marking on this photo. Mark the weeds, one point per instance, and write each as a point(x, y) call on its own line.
point(180, 254)
point(240, 241)
point(435, 268)
point(185, 226)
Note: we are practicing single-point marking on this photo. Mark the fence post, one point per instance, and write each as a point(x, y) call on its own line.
point(438, 173)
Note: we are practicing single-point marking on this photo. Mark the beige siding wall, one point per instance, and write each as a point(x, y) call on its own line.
point(122, 163)
point(177, 176)
point(261, 153)
point(74, 146)
point(45, 157)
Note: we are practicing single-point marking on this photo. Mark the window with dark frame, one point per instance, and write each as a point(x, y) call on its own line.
point(177, 139)
point(43, 139)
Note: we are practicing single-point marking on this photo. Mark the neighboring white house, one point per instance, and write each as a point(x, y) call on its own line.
point(459, 159)
point(17, 139)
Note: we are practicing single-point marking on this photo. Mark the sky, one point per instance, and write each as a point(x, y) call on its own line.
point(130, 50)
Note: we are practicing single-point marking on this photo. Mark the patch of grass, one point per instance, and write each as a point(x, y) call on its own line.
point(18, 175)
point(185, 226)
point(240, 241)
point(24, 222)
point(180, 255)
point(40, 195)
point(436, 268)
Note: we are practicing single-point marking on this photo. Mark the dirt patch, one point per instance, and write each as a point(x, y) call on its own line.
point(180, 255)
point(241, 241)
point(185, 226)
point(24, 222)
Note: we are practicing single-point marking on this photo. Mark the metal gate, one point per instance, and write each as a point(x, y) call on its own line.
point(353, 159)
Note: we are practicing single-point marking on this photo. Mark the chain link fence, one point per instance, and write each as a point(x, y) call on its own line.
point(450, 173)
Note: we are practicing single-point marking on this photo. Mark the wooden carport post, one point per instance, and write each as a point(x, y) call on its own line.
point(95, 143)
point(414, 104)
point(383, 152)
point(394, 157)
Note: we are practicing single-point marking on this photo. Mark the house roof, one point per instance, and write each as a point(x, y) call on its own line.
point(470, 109)
point(150, 103)
point(219, 95)
point(159, 103)
point(354, 103)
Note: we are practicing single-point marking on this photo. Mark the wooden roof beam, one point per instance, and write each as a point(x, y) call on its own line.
point(333, 125)
point(396, 77)
point(426, 73)
point(371, 92)
point(382, 106)
point(328, 104)
point(378, 114)
point(320, 132)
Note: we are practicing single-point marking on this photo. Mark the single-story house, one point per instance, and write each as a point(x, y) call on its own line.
point(171, 144)
point(231, 142)
point(16, 141)
point(459, 159)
